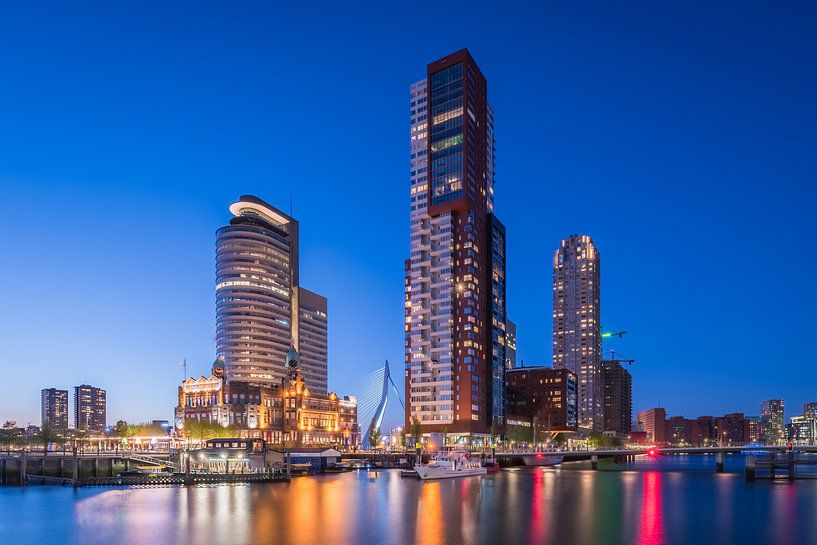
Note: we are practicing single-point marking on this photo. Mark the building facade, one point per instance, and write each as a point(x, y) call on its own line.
point(54, 408)
point(90, 408)
point(618, 397)
point(261, 309)
point(287, 413)
point(510, 344)
point(653, 423)
point(545, 398)
point(772, 430)
point(455, 275)
point(576, 323)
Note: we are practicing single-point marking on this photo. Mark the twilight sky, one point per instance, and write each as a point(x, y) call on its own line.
point(681, 137)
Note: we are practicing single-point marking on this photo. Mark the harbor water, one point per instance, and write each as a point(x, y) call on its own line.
point(670, 500)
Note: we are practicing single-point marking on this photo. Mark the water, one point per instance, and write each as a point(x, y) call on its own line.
point(673, 500)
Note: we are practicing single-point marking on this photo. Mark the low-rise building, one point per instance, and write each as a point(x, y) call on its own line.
point(653, 421)
point(285, 414)
point(542, 397)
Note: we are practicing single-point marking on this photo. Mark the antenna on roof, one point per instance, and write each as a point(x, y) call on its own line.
point(290, 205)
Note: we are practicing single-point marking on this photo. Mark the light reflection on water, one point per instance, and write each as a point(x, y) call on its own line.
point(669, 501)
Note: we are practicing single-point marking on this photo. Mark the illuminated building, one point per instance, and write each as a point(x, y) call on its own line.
point(510, 344)
point(618, 397)
point(652, 422)
point(90, 407)
point(542, 396)
point(576, 323)
point(772, 431)
point(261, 309)
point(455, 275)
point(287, 413)
point(54, 408)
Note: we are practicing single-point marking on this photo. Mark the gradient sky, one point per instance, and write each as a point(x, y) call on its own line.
point(681, 137)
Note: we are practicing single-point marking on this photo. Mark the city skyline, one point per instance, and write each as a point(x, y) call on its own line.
point(705, 247)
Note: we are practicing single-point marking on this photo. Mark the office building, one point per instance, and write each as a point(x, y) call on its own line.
point(772, 431)
point(576, 323)
point(542, 397)
point(510, 344)
point(261, 309)
point(54, 408)
point(90, 408)
point(653, 423)
point(455, 274)
point(618, 397)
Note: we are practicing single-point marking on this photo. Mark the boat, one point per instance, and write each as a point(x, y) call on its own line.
point(491, 466)
point(450, 465)
point(410, 473)
point(540, 459)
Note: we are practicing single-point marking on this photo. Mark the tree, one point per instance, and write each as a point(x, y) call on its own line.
point(415, 431)
point(48, 435)
point(121, 429)
point(202, 430)
point(374, 434)
point(519, 434)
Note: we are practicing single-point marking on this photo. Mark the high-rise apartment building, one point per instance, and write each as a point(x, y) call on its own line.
point(90, 408)
point(54, 408)
point(455, 275)
point(576, 323)
point(618, 396)
point(261, 309)
point(772, 429)
point(510, 345)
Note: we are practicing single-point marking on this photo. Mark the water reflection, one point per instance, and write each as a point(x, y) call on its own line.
point(542, 506)
point(651, 529)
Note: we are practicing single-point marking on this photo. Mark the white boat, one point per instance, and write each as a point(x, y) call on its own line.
point(450, 465)
point(542, 459)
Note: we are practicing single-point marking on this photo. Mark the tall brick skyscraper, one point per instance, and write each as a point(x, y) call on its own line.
point(455, 276)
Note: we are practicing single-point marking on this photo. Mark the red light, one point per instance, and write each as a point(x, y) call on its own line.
point(652, 453)
point(538, 455)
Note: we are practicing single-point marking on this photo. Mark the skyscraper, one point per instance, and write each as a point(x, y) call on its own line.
point(54, 408)
point(455, 276)
point(576, 323)
point(618, 397)
point(772, 431)
point(510, 344)
point(261, 310)
point(90, 408)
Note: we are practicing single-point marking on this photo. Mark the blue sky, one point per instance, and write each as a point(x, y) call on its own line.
point(681, 137)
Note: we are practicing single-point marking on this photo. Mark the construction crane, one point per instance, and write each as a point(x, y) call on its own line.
point(619, 334)
point(626, 360)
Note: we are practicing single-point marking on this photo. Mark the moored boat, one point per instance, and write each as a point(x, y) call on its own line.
point(447, 466)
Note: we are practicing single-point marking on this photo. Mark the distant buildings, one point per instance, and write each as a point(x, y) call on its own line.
point(802, 430)
point(542, 397)
point(455, 274)
point(261, 309)
point(54, 408)
point(90, 408)
point(618, 397)
point(285, 413)
point(772, 430)
point(652, 422)
point(576, 323)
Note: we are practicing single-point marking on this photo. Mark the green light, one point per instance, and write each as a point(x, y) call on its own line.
point(605, 335)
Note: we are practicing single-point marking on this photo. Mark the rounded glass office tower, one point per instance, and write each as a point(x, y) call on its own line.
point(256, 269)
